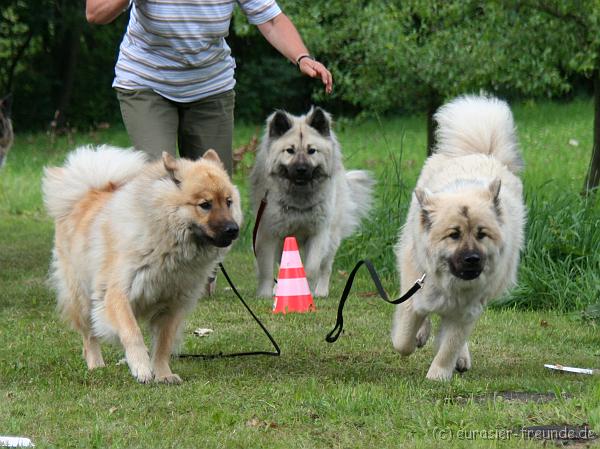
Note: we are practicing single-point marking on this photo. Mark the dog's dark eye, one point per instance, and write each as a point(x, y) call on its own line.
point(229, 202)
point(455, 235)
point(481, 235)
point(290, 150)
point(206, 205)
point(312, 151)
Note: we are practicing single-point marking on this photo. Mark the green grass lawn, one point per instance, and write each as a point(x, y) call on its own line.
point(352, 394)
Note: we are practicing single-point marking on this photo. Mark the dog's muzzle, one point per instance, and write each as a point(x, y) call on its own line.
point(467, 265)
point(224, 234)
point(300, 174)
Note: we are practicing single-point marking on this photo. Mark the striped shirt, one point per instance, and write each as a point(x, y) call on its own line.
point(177, 47)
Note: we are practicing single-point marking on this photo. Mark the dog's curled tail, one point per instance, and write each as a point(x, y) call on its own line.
point(361, 185)
point(478, 124)
point(87, 168)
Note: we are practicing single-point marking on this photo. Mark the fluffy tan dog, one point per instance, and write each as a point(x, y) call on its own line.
point(464, 230)
point(136, 240)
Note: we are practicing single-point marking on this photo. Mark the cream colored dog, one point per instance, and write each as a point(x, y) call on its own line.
point(464, 230)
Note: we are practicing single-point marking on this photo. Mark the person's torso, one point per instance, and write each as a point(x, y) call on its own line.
point(177, 48)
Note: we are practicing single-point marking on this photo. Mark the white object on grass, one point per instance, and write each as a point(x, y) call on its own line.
point(15, 442)
point(571, 369)
point(201, 332)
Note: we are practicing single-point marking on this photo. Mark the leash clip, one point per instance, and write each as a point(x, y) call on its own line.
point(421, 280)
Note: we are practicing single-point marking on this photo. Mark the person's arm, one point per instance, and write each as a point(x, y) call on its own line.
point(104, 11)
point(282, 34)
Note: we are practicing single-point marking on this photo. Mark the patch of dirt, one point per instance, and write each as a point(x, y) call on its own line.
point(261, 424)
point(516, 396)
point(520, 396)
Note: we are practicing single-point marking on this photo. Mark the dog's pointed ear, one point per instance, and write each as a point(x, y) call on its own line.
point(423, 197)
point(279, 124)
point(494, 189)
point(319, 120)
point(6, 105)
point(171, 165)
point(425, 201)
point(212, 155)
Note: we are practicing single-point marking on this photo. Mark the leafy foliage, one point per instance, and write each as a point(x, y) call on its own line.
point(385, 56)
point(406, 54)
point(56, 61)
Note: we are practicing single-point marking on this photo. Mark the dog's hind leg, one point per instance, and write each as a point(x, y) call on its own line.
point(92, 352)
point(463, 363)
point(121, 318)
point(165, 330)
point(78, 311)
point(74, 307)
point(423, 333)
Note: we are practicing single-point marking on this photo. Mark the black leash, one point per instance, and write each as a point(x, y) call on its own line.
point(259, 214)
point(339, 325)
point(277, 352)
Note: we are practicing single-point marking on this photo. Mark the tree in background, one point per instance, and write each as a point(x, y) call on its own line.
point(59, 67)
point(386, 57)
point(414, 54)
point(577, 23)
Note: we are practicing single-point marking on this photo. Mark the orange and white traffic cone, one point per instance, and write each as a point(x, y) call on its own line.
point(292, 293)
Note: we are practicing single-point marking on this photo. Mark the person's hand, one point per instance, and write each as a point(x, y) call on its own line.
point(315, 69)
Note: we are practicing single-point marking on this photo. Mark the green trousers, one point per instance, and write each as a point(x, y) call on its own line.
point(156, 124)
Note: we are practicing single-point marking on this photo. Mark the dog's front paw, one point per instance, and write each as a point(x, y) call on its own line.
point(439, 373)
point(139, 364)
point(402, 343)
point(171, 379)
point(321, 292)
point(265, 290)
point(142, 374)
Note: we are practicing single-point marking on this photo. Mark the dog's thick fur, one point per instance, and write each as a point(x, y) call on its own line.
point(309, 194)
point(464, 230)
point(136, 240)
point(6, 130)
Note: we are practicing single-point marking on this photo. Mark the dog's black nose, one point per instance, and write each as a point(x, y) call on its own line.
point(301, 169)
point(472, 258)
point(231, 230)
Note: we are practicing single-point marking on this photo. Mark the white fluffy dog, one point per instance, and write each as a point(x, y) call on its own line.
point(464, 230)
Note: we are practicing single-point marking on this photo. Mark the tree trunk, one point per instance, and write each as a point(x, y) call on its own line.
point(593, 175)
point(434, 104)
point(16, 59)
point(70, 51)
